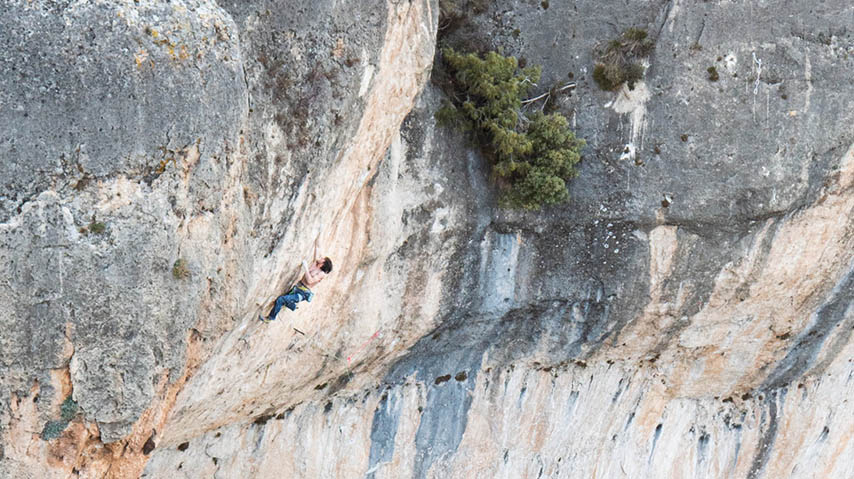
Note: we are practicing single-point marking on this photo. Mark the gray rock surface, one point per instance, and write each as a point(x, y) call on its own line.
point(93, 90)
point(616, 336)
point(752, 151)
point(162, 165)
point(732, 133)
point(99, 101)
point(566, 336)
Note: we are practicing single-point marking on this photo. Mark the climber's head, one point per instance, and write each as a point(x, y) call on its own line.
point(325, 265)
point(317, 271)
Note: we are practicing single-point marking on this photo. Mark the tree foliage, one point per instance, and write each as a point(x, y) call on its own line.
point(532, 154)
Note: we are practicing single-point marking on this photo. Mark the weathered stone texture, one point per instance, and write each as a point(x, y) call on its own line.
point(95, 90)
point(617, 336)
point(106, 107)
point(183, 152)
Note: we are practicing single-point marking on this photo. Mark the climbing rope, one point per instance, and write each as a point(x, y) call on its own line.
point(363, 346)
point(312, 342)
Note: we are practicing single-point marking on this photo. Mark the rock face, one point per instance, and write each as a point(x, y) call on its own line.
point(165, 168)
point(162, 214)
point(117, 125)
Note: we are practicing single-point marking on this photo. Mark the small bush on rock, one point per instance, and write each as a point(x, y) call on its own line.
point(619, 62)
point(97, 227)
point(180, 270)
point(533, 155)
point(455, 13)
point(713, 74)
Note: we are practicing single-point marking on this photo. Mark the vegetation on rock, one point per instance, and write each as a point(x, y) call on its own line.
point(180, 270)
point(453, 13)
point(97, 227)
point(713, 74)
point(532, 154)
point(620, 62)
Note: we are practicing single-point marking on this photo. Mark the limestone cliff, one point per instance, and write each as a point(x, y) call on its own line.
point(166, 166)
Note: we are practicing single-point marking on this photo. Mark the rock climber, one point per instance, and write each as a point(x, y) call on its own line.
point(301, 291)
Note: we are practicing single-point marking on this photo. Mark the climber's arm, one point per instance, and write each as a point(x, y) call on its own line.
point(316, 254)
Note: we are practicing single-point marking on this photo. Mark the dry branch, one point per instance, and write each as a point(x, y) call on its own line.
point(548, 93)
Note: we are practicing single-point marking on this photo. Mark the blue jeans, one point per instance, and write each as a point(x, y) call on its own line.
point(298, 293)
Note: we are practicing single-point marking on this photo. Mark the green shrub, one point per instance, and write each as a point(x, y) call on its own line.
point(608, 77)
point(619, 63)
point(713, 74)
point(532, 155)
point(97, 227)
point(180, 270)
